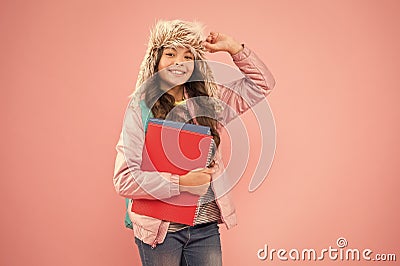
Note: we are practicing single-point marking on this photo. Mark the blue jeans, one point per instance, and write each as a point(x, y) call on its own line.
point(197, 245)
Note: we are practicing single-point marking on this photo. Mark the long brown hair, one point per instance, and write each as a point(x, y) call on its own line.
point(162, 103)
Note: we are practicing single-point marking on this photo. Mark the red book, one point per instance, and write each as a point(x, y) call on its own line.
point(176, 148)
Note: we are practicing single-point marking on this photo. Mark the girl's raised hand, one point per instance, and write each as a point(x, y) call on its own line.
point(217, 41)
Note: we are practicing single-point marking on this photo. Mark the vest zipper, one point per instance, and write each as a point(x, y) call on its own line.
point(156, 240)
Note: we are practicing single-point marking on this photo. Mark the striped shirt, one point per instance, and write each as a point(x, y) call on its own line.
point(208, 211)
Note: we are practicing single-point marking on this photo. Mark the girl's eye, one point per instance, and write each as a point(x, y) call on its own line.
point(189, 57)
point(170, 54)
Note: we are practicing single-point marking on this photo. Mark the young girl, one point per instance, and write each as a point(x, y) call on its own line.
point(172, 73)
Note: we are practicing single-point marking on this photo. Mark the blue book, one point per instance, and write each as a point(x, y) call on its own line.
point(182, 126)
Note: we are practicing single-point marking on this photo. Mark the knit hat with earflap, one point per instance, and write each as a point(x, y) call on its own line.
point(174, 33)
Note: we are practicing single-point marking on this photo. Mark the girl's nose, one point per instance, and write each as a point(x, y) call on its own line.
point(179, 60)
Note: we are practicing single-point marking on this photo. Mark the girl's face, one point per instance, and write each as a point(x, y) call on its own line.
point(177, 65)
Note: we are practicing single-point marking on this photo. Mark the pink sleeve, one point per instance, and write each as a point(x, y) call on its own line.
point(129, 180)
point(244, 93)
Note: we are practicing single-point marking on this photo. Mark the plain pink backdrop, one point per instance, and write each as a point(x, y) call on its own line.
point(67, 68)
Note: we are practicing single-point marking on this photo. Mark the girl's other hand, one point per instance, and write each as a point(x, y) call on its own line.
point(217, 41)
point(196, 182)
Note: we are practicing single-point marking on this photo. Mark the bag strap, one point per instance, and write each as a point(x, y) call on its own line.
point(146, 114)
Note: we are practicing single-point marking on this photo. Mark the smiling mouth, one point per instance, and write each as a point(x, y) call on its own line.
point(177, 72)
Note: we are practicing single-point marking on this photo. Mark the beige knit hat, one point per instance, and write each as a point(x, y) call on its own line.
point(174, 33)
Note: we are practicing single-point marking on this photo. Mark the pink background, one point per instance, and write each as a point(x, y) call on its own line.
point(67, 68)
